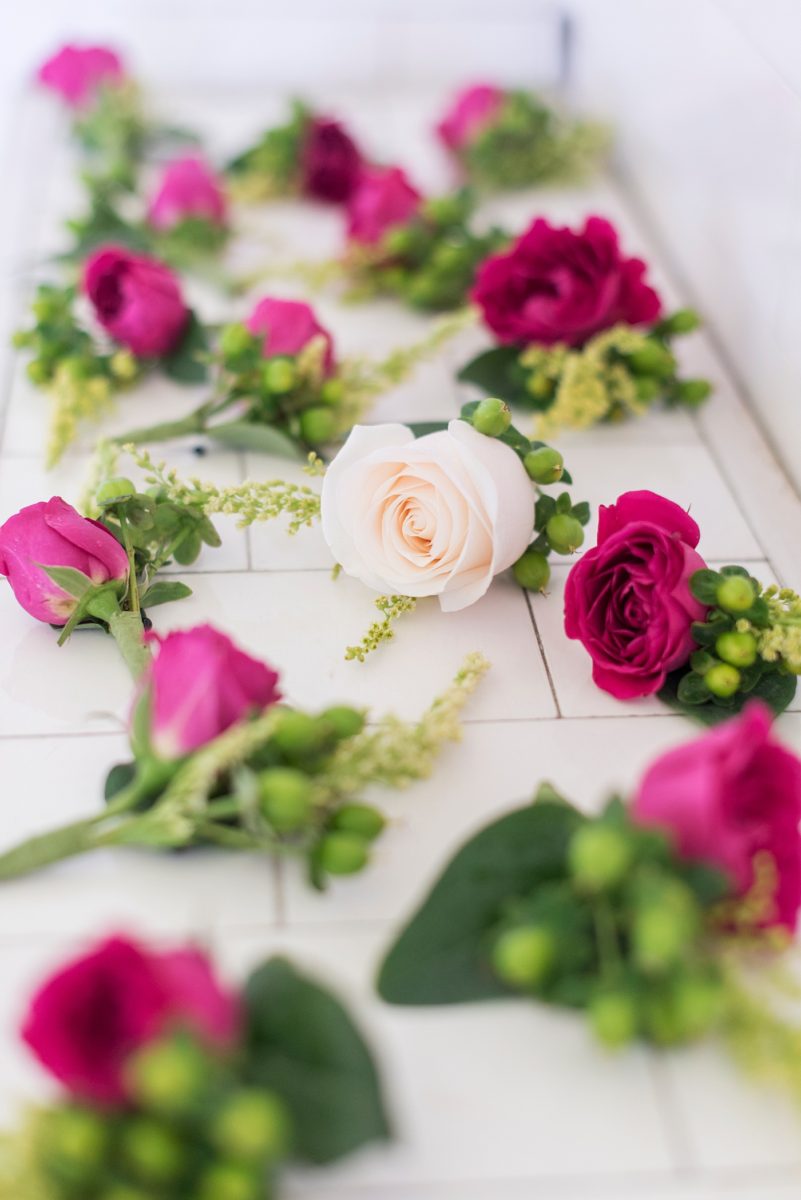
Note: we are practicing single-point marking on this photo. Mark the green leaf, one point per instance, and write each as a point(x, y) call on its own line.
point(704, 585)
point(692, 688)
point(186, 363)
point(421, 428)
point(706, 633)
point(163, 591)
point(261, 439)
point(774, 688)
point(494, 372)
point(440, 957)
point(580, 511)
point(71, 581)
point(300, 1041)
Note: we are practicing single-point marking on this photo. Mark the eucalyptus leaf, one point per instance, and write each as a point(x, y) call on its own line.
point(494, 372)
point(261, 439)
point(186, 363)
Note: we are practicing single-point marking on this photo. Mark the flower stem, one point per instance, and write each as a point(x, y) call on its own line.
point(194, 422)
point(128, 632)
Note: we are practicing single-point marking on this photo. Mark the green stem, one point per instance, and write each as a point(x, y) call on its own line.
point(133, 589)
point(194, 422)
point(128, 632)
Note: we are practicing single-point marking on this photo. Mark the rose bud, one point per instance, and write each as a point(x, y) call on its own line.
point(383, 199)
point(90, 1017)
point(137, 300)
point(331, 164)
point(439, 515)
point(473, 110)
point(52, 534)
point(197, 685)
point(78, 72)
point(188, 189)
point(729, 798)
point(288, 327)
point(555, 285)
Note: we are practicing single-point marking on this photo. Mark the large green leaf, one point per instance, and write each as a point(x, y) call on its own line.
point(774, 689)
point(440, 957)
point(187, 362)
point(163, 591)
point(495, 373)
point(261, 439)
point(301, 1042)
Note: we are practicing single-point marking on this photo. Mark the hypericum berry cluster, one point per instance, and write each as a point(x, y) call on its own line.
point(191, 1129)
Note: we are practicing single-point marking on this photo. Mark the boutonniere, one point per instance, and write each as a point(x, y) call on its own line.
point(582, 336)
point(664, 921)
point(504, 138)
point(418, 512)
point(656, 620)
point(247, 772)
point(174, 1084)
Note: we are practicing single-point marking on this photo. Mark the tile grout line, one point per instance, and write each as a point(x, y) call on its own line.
point(543, 655)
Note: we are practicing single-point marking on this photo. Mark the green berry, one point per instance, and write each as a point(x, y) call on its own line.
point(647, 388)
point(38, 371)
point(298, 735)
point(286, 797)
point(252, 1124)
point(524, 957)
point(738, 649)
point(113, 490)
point(599, 856)
point(362, 819)
point(564, 533)
point(685, 320)
point(279, 375)
point(532, 571)
point(613, 1016)
point(152, 1152)
point(167, 1076)
point(123, 366)
point(735, 594)
point(723, 680)
point(540, 386)
point(492, 417)
point(229, 1181)
point(692, 392)
point(73, 1142)
point(342, 853)
point(318, 425)
point(652, 359)
point(544, 465)
point(235, 340)
point(664, 926)
point(332, 392)
point(346, 722)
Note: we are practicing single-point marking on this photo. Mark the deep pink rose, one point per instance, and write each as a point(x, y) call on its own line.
point(472, 111)
point(188, 188)
point(137, 300)
point(288, 326)
point(628, 600)
point(384, 198)
point(199, 684)
point(555, 285)
point(76, 72)
point(730, 795)
point(52, 534)
point(330, 161)
point(87, 1019)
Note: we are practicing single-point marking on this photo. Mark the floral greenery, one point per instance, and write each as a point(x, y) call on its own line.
point(270, 168)
point(618, 373)
point(285, 782)
point(391, 608)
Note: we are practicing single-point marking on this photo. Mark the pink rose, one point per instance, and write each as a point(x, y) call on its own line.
point(628, 601)
point(555, 285)
point(288, 326)
point(384, 198)
point(137, 300)
point(330, 161)
point(188, 188)
point(77, 72)
point(52, 534)
point(87, 1019)
point(199, 684)
point(472, 111)
point(728, 796)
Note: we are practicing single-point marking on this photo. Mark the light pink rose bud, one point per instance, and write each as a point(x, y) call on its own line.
point(137, 300)
point(188, 188)
point(288, 326)
point(384, 198)
point(52, 534)
point(76, 72)
point(473, 110)
point(197, 685)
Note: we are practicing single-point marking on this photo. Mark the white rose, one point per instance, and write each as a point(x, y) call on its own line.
point(439, 515)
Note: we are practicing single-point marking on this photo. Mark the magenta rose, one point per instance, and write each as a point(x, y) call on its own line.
point(383, 199)
point(555, 285)
point(730, 796)
point(137, 300)
point(188, 188)
point(77, 72)
point(197, 685)
point(88, 1019)
point(52, 534)
point(331, 164)
point(628, 600)
point(288, 326)
point(473, 110)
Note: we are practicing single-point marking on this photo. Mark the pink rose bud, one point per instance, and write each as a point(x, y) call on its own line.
point(188, 188)
point(197, 685)
point(384, 198)
point(728, 797)
point(473, 110)
point(288, 326)
point(628, 600)
point(88, 1019)
point(52, 534)
point(137, 300)
point(330, 162)
point(555, 285)
point(77, 72)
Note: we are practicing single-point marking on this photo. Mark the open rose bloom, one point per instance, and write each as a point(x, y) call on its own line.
point(439, 515)
point(78, 72)
point(137, 300)
point(384, 198)
point(331, 163)
point(188, 189)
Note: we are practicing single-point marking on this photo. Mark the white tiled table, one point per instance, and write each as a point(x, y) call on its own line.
point(494, 1102)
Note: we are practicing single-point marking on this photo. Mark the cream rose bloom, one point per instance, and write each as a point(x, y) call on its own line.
point(439, 515)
